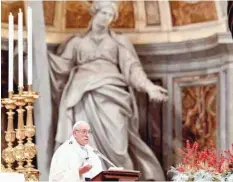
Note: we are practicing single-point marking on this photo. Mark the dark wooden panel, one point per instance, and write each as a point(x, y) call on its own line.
point(155, 127)
point(150, 119)
point(4, 93)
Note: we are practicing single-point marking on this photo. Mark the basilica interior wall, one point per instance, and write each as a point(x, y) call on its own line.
point(199, 84)
point(183, 46)
point(143, 21)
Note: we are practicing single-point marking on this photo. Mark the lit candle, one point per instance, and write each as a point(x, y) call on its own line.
point(10, 52)
point(29, 37)
point(20, 47)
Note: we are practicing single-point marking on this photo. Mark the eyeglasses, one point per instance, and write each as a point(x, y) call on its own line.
point(85, 132)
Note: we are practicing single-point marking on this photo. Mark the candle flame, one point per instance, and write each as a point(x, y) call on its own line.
point(20, 10)
point(10, 14)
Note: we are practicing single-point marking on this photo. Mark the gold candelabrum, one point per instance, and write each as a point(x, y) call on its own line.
point(7, 153)
point(23, 152)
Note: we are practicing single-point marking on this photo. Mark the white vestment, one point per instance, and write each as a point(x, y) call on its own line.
point(67, 160)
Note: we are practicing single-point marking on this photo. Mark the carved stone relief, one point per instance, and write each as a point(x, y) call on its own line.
point(13, 7)
point(152, 13)
point(49, 11)
point(78, 16)
point(184, 13)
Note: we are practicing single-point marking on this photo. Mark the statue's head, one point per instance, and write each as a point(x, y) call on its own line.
point(104, 12)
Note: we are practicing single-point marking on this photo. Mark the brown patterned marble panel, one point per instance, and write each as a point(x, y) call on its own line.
point(13, 7)
point(184, 13)
point(49, 11)
point(152, 12)
point(199, 114)
point(78, 16)
point(126, 16)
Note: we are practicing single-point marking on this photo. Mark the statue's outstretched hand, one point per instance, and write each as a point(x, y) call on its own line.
point(157, 94)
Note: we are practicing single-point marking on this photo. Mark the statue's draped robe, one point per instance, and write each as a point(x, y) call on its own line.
point(67, 160)
point(92, 80)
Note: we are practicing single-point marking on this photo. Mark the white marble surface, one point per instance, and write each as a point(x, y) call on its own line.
point(12, 177)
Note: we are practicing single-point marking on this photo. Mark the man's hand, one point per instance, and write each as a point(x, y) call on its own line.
point(84, 168)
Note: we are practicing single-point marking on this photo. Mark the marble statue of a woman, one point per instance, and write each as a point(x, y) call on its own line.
point(92, 78)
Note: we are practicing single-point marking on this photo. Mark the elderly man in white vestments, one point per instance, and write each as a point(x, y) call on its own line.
point(75, 160)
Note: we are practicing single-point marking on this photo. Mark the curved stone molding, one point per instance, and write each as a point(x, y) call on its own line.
point(178, 47)
point(184, 49)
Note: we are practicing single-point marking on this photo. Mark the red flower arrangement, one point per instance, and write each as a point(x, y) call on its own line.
point(209, 159)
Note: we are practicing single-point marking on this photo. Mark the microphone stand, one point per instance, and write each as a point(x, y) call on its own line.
point(104, 158)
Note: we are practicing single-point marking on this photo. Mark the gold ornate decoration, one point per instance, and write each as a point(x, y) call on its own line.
point(3, 169)
point(22, 152)
point(30, 147)
point(7, 154)
point(20, 132)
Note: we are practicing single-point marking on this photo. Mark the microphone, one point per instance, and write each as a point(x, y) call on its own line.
point(103, 157)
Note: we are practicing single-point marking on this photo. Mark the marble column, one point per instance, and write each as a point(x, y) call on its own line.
point(230, 103)
point(41, 84)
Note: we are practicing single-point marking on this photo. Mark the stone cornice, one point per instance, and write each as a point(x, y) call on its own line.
point(214, 44)
point(199, 56)
point(185, 46)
